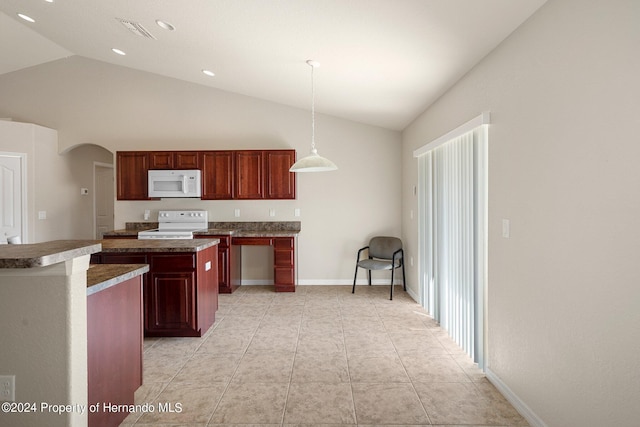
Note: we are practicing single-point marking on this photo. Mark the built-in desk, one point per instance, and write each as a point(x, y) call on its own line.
point(284, 266)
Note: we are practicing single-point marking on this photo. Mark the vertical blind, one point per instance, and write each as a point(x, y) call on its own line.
point(452, 244)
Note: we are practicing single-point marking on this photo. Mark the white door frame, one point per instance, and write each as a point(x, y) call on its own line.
point(24, 218)
point(95, 165)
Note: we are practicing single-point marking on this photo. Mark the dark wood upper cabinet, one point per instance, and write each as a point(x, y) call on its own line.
point(226, 175)
point(187, 160)
point(174, 160)
point(279, 182)
point(249, 175)
point(131, 174)
point(217, 175)
point(161, 160)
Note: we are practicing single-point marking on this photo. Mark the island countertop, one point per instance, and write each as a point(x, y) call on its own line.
point(44, 254)
point(157, 245)
point(103, 276)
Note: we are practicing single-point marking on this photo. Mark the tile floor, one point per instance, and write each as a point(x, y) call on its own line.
point(319, 356)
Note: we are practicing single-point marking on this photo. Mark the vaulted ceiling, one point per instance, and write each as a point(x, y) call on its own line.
point(382, 61)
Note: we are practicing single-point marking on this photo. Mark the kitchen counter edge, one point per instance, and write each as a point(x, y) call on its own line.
point(157, 245)
point(43, 254)
point(104, 276)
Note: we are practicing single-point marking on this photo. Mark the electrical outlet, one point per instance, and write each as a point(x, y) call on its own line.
point(272, 212)
point(296, 212)
point(8, 388)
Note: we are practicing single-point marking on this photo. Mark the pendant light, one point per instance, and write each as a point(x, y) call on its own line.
point(313, 162)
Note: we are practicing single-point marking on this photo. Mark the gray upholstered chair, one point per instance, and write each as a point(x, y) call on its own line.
point(384, 253)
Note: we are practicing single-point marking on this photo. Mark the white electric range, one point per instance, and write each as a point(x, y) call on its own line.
point(177, 224)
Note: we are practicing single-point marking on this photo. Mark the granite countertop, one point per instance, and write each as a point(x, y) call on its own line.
point(235, 229)
point(159, 245)
point(46, 253)
point(103, 276)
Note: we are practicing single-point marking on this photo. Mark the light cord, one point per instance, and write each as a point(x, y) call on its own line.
point(313, 112)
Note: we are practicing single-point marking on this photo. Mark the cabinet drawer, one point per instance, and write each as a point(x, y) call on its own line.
point(171, 262)
point(283, 243)
point(257, 241)
point(281, 258)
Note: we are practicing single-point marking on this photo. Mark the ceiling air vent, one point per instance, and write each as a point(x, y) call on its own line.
point(136, 28)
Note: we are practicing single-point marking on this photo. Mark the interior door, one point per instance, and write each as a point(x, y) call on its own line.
point(11, 197)
point(104, 199)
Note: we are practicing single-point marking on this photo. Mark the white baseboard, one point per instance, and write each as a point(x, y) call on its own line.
point(517, 403)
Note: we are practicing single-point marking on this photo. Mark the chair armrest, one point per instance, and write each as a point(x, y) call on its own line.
point(360, 251)
point(401, 252)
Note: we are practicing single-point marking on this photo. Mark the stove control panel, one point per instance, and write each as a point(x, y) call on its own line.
point(183, 216)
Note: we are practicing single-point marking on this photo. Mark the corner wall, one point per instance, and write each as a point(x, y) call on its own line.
point(563, 294)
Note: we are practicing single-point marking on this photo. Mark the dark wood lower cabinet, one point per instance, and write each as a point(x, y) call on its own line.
point(114, 349)
point(180, 290)
point(229, 263)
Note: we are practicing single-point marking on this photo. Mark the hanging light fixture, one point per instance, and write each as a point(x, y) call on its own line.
point(313, 162)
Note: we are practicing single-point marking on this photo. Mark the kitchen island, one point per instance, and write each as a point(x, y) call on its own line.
point(181, 289)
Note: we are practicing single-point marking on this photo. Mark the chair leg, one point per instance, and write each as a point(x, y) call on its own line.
point(369, 273)
point(391, 296)
point(404, 281)
point(353, 291)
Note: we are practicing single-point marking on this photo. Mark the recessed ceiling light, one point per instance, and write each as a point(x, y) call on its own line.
point(118, 51)
point(49, 1)
point(26, 18)
point(165, 25)
point(208, 73)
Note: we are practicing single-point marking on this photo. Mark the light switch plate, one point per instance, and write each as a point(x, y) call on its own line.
point(236, 213)
point(7, 388)
point(506, 228)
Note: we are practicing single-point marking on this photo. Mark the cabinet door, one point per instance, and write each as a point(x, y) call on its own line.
point(249, 173)
point(131, 175)
point(217, 175)
point(187, 160)
point(170, 303)
point(279, 182)
point(161, 160)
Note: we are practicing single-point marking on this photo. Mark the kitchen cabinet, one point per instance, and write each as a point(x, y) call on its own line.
point(229, 263)
point(217, 175)
point(174, 160)
point(114, 348)
point(131, 175)
point(226, 175)
point(249, 175)
point(180, 290)
point(279, 182)
point(264, 174)
point(284, 264)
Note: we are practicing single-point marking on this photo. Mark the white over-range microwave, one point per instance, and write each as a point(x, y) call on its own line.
point(175, 183)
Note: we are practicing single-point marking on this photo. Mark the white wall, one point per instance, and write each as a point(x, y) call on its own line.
point(564, 294)
point(121, 109)
point(54, 181)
